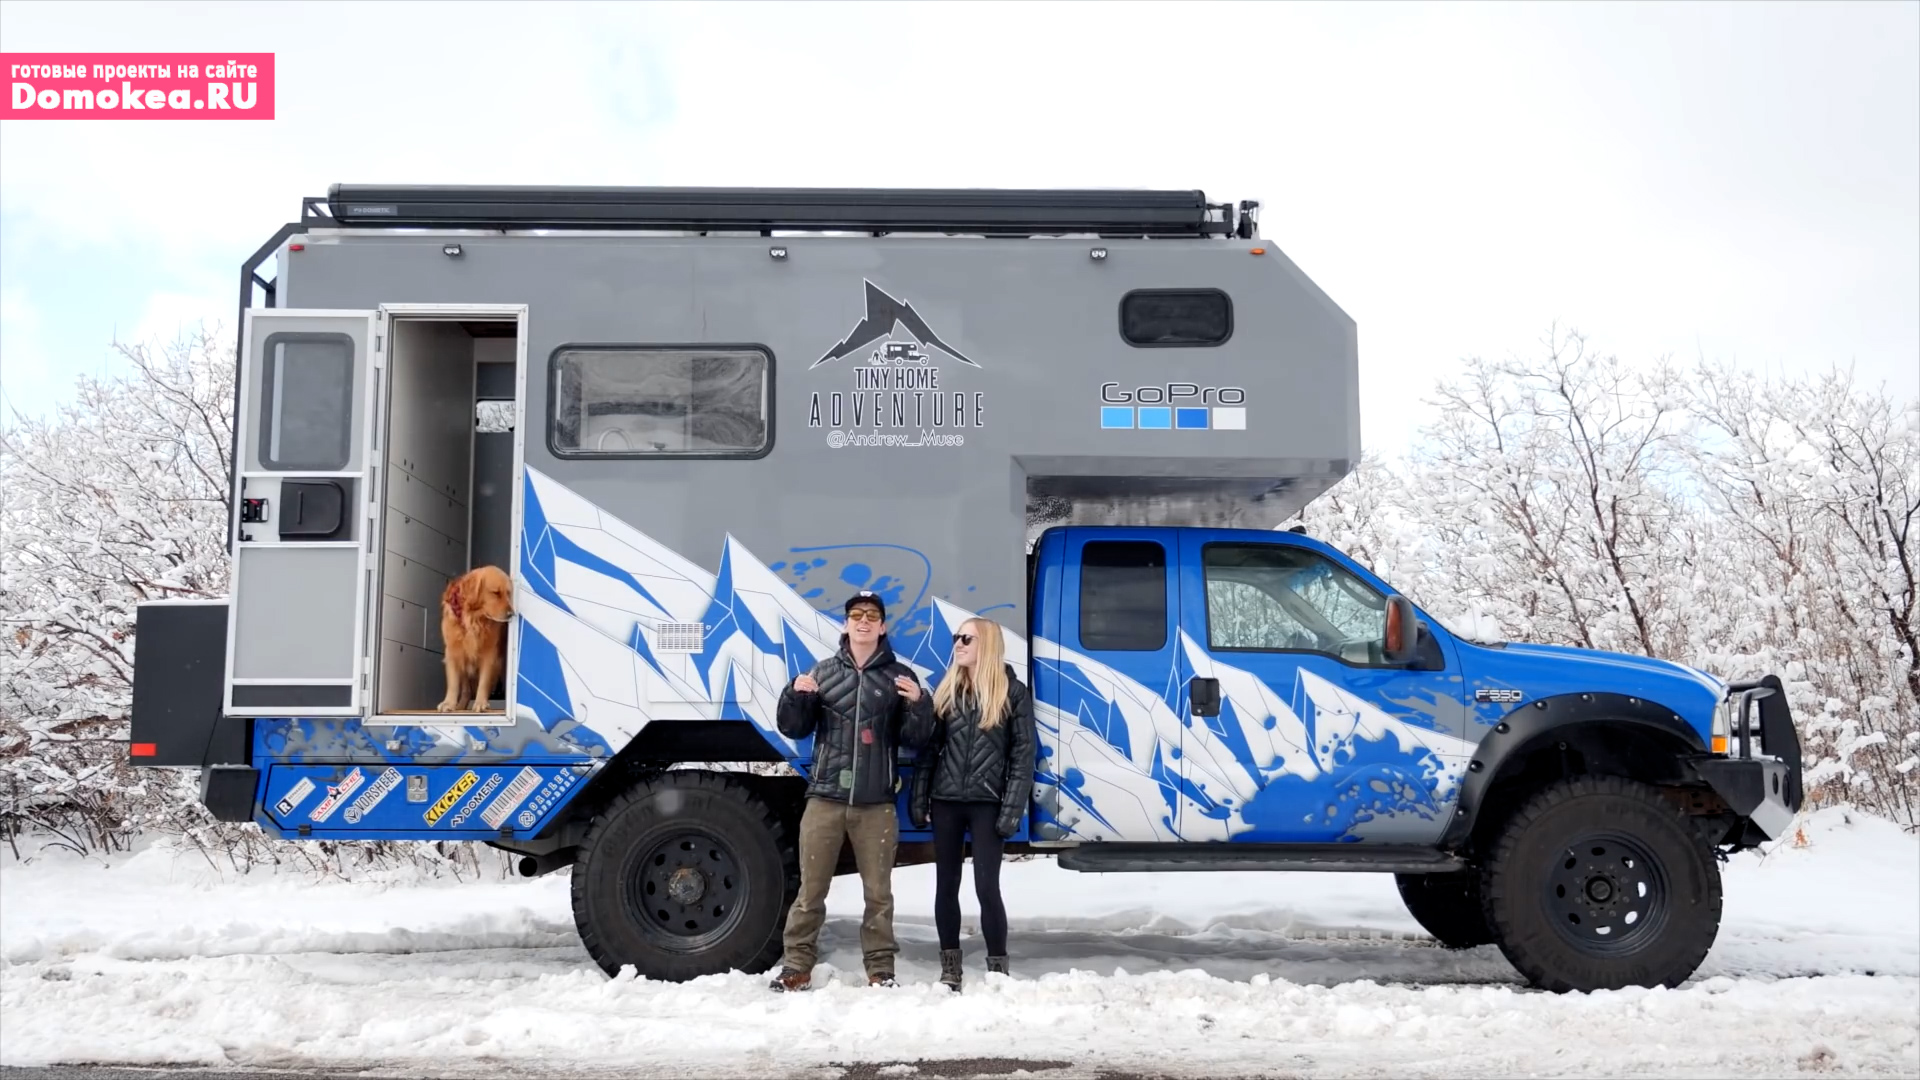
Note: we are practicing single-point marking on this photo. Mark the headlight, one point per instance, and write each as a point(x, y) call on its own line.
point(1722, 724)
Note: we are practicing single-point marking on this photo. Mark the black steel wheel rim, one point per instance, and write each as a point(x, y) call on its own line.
point(686, 890)
point(1606, 895)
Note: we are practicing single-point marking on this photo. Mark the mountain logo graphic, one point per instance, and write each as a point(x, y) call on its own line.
point(884, 315)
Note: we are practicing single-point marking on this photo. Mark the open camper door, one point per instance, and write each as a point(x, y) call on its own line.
point(304, 530)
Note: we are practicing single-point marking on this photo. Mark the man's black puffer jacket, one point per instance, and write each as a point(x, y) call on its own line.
point(963, 763)
point(858, 721)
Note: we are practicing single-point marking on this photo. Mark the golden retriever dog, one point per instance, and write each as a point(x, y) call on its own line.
point(473, 622)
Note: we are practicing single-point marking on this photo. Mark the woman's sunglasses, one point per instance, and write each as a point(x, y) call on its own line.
point(863, 615)
point(963, 639)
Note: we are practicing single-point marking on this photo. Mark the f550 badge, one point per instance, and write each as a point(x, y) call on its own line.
point(1505, 697)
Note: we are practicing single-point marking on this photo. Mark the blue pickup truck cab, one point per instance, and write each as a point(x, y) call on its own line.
point(686, 423)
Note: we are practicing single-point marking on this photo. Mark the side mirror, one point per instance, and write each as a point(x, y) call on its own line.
point(1403, 631)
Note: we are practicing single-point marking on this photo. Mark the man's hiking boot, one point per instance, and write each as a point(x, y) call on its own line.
point(950, 969)
point(881, 978)
point(791, 981)
point(999, 964)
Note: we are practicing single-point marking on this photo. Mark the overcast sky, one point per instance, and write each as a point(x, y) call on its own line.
point(1735, 180)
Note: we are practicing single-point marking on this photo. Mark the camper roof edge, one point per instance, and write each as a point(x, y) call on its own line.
point(1000, 212)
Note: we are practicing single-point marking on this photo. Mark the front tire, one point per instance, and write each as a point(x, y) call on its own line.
point(1448, 906)
point(685, 874)
point(1598, 883)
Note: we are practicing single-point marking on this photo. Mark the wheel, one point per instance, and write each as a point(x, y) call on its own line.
point(1598, 883)
point(686, 874)
point(1448, 906)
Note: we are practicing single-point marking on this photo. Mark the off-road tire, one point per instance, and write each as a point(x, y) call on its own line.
point(1573, 858)
point(715, 867)
point(1448, 906)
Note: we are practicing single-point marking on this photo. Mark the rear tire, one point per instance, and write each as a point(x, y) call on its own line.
point(1448, 906)
point(683, 875)
point(1598, 883)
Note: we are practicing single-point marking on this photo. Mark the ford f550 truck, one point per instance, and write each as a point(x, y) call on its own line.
point(689, 421)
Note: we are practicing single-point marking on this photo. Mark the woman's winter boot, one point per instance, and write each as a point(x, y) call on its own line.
point(950, 969)
point(999, 964)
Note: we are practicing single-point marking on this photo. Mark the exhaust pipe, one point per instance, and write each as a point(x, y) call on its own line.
point(535, 865)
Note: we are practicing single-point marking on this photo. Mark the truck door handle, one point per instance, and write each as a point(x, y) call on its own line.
point(1204, 695)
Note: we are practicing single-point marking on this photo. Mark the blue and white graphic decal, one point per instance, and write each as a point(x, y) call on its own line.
point(1123, 761)
point(639, 633)
point(618, 631)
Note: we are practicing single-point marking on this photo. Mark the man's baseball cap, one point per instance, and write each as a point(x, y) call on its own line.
point(866, 596)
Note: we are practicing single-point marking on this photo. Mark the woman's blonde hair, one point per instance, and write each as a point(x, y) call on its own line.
point(985, 683)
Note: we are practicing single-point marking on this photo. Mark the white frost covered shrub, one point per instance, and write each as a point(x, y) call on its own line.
point(1707, 516)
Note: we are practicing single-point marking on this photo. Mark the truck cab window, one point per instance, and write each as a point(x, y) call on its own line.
point(638, 401)
point(1123, 596)
point(1271, 597)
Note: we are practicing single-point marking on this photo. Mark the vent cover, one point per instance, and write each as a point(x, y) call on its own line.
point(681, 637)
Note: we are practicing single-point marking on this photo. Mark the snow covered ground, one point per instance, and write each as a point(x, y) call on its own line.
point(153, 961)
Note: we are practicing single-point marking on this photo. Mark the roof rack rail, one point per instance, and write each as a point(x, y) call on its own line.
point(877, 211)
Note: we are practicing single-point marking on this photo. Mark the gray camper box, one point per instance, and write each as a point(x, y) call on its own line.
point(932, 382)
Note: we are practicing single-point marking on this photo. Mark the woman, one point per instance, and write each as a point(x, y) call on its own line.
point(974, 777)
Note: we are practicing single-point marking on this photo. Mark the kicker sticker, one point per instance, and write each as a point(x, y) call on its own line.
point(897, 397)
point(447, 801)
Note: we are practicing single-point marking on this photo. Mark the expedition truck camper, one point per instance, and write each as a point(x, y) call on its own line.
point(689, 422)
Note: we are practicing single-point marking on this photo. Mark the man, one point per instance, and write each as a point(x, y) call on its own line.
point(860, 705)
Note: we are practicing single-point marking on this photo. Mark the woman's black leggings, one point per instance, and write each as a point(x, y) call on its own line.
point(951, 822)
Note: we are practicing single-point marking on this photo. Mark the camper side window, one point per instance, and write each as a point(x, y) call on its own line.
point(649, 401)
point(1175, 317)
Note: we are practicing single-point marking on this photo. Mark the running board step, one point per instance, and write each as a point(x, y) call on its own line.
point(1324, 858)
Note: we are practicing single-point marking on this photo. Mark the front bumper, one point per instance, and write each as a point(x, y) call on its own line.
point(1759, 782)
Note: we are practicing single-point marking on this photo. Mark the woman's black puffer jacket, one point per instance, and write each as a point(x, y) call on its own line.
point(963, 763)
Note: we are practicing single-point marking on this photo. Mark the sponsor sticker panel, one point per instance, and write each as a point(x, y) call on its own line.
point(423, 800)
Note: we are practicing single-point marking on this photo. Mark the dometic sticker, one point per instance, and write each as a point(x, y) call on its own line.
point(294, 797)
point(1175, 406)
point(360, 807)
point(473, 804)
point(336, 792)
point(897, 398)
point(522, 786)
point(446, 802)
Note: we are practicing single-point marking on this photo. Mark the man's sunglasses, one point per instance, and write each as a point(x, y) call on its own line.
point(963, 639)
point(863, 615)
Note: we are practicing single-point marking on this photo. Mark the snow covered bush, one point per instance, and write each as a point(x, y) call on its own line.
point(119, 497)
point(1707, 516)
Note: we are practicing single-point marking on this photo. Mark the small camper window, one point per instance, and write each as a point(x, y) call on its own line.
point(306, 401)
point(659, 401)
point(1174, 317)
